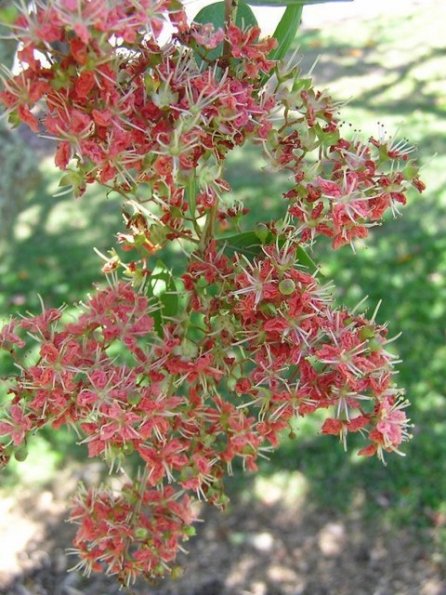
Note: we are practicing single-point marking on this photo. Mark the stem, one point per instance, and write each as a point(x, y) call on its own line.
point(186, 238)
point(230, 14)
point(114, 189)
point(211, 218)
point(191, 194)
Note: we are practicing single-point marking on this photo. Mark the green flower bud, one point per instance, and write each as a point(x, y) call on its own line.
point(134, 399)
point(177, 572)
point(374, 345)
point(141, 533)
point(287, 287)
point(366, 333)
point(268, 309)
point(21, 453)
point(190, 531)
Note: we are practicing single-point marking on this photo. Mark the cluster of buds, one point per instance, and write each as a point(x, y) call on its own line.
point(181, 376)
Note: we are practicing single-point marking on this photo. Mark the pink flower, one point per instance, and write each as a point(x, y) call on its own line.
point(17, 426)
point(392, 423)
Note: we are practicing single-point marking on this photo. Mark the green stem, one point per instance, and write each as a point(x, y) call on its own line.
point(209, 226)
point(191, 194)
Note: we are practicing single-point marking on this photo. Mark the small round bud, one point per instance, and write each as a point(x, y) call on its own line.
point(190, 531)
point(141, 533)
point(366, 333)
point(287, 287)
point(21, 453)
point(177, 572)
point(134, 399)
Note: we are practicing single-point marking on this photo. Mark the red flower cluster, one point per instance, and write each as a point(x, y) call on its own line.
point(353, 183)
point(127, 111)
point(293, 352)
point(265, 331)
point(252, 339)
point(133, 533)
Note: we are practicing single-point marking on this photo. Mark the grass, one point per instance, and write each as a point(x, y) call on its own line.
point(50, 250)
point(393, 68)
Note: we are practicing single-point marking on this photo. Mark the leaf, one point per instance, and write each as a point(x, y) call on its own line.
point(291, 2)
point(246, 242)
point(169, 298)
point(250, 244)
point(162, 290)
point(215, 14)
point(75, 180)
point(8, 15)
point(71, 178)
point(14, 119)
point(305, 259)
point(286, 31)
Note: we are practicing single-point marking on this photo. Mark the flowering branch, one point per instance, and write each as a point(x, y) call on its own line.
point(189, 373)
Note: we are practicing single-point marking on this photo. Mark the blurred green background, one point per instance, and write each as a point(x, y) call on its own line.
point(390, 70)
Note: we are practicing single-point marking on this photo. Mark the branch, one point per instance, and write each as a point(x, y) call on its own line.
point(230, 14)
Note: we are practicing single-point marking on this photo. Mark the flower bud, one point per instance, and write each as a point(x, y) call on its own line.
point(190, 531)
point(134, 399)
point(141, 533)
point(21, 453)
point(366, 333)
point(177, 572)
point(287, 287)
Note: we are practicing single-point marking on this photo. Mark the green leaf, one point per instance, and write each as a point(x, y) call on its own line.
point(215, 14)
point(191, 197)
point(169, 298)
point(75, 180)
point(291, 2)
point(162, 291)
point(305, 259)
point(286, 31)
point(246, 242)
point(71, 178)
point(263, 234)
point(14, 119)
point(250, 244)
point(8, 15)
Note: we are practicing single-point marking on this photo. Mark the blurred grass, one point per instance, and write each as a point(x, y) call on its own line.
point(391, 70)
point(50, 247)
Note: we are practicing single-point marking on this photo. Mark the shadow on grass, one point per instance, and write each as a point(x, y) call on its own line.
point(50, 248)
point(274, 539)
